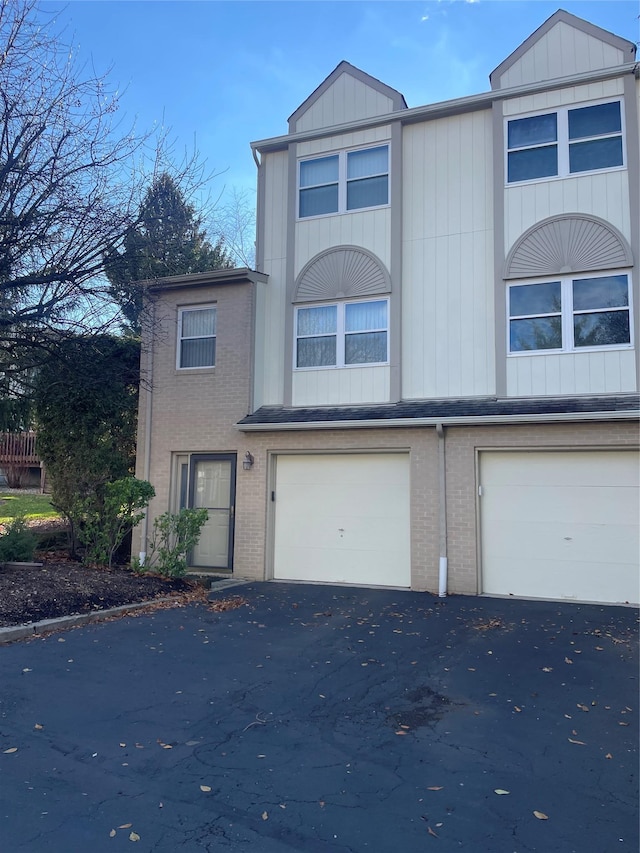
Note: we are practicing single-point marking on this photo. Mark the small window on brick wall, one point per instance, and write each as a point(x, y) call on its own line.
point(197, 337)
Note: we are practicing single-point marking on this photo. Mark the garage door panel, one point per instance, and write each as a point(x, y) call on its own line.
point(343, 566)
point(352, 499)
point(532, 579)
point(574, 504)
point(340, 532)
point(561, 468)
point(576, 542)
point(343, 519)
point(561, 524)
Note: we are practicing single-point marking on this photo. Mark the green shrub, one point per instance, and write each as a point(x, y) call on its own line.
point(18, 542)
point(174, 536)
point(108, 515)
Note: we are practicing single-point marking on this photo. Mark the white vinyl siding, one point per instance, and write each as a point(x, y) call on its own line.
point(331, 387)
point(343, 518)
point(561, 525)
point(347, 99)
point(594, 372)
point(367, 229)
point(271, 306)
point(604, 194)
point(448, 314)
point(563, 51)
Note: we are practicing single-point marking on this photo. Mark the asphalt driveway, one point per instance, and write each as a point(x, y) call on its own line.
point(325, 719)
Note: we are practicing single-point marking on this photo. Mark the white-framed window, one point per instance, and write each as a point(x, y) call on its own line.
point(342, 182)
point(563, 142)
point(570, 314)
point(342, 334)
point(196, 337)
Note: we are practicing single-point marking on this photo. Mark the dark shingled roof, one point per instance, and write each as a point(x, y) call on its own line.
point(469, 408)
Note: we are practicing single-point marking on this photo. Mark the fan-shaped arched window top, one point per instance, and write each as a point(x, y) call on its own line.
point(345, 272)
point(571, 243)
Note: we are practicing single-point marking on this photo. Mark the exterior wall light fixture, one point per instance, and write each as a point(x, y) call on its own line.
point(247, 462)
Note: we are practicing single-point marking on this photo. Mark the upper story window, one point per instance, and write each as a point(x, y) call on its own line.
point(570, 314)
point(342, 334)
point(349, 180)
point(197, 337)
point(564, 142)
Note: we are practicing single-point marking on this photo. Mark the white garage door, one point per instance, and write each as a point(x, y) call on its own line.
point(561, 525)
point(343, 519)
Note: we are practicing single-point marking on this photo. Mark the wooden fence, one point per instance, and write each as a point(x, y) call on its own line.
point(19, 448)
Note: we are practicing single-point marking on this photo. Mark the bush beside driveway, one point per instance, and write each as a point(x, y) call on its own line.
point(311, 718)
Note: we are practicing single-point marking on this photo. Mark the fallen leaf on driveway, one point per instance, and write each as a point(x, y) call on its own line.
point(541, 815)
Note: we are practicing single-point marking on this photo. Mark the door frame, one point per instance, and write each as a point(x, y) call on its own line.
point(194, 458)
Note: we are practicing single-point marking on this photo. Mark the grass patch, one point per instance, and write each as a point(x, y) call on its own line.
point(34, 507)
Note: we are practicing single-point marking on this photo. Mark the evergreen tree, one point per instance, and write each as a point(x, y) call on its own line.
point(168, 239)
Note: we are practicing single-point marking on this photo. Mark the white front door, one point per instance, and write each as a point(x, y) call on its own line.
point(212, 486)
point(343, 518)
point(560, 525)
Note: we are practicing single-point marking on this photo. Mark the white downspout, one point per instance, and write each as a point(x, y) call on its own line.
point(442, 508)
point(147, 429)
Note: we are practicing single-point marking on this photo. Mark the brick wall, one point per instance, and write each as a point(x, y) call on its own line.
point(194, 411)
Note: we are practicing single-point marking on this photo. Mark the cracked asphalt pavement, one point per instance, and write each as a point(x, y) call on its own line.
point(318, 718)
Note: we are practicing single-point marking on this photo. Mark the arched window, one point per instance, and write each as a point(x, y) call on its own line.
point(349, 323)
point(569, 287)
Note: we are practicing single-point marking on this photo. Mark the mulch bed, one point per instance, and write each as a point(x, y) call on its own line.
point(63, 588)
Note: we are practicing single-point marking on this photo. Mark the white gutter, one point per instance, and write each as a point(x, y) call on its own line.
point(147, 431)
point(442, 512)
point(561, 417)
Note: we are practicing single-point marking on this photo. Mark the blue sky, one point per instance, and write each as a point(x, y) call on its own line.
point(229, 72)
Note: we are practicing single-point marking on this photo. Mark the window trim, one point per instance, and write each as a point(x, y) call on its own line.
point(179, 338)
point(340, 334)
point(343, 181)
point(567, 314)
point(563, 142)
